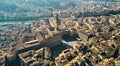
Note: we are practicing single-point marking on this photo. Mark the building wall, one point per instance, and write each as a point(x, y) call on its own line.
point(83, 36)
point(49, 42)
point(52, 41)
point(71, 43)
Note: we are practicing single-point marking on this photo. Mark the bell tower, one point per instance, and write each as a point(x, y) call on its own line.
point(57, 19)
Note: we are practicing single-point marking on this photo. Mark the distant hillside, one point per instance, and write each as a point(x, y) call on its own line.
point(27, 9)
point(7, 7)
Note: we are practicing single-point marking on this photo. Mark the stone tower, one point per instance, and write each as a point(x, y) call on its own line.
point(57, 19)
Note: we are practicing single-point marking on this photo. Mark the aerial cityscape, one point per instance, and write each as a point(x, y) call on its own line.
point(60, 33)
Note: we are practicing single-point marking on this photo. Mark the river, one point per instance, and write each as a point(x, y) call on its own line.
point(13, 22)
